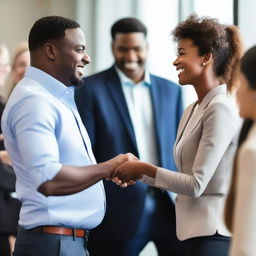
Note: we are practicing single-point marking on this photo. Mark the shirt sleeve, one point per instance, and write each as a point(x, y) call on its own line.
point(33, 123)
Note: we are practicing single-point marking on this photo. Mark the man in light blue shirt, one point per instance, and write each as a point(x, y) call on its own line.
point(58, 180)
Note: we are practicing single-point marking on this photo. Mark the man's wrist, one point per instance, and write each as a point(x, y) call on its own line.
point(108, 168)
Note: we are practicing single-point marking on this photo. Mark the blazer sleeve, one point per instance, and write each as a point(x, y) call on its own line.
point(243, 242)
point(180, 106)
point(85, 106)
point(219, 128)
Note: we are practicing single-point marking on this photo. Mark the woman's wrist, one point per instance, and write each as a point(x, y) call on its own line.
point(150, 170)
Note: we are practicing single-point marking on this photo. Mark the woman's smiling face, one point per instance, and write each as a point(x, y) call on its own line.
point(188, 63)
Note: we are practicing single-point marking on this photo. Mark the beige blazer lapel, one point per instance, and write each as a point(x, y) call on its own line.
point(192, 123)
point(184, 120)
point(189, 122)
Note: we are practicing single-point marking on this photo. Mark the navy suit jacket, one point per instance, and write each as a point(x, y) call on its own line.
point(104, 112)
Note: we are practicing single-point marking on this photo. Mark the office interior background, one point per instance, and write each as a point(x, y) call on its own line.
point(97, 16)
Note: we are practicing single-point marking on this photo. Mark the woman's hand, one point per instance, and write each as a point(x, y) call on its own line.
point(134, 170)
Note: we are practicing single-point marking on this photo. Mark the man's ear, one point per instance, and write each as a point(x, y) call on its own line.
point(50, 50)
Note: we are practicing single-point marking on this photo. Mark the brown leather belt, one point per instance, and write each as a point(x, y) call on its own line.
point(61, 231)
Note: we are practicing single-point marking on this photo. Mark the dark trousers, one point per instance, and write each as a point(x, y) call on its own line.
point(215, 245)
point(30, 243)
point(157, 225)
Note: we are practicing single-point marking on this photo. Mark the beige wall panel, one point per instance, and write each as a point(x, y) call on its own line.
point(17, 16)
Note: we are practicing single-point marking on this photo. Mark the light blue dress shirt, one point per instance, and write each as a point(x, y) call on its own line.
point(43, 131)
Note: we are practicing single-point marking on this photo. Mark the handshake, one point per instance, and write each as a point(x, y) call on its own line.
point(127, 169)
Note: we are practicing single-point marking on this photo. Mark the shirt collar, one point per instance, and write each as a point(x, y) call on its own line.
point(125, 80)
point(51, 84)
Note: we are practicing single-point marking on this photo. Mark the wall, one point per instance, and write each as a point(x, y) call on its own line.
point(247, 21)
point(17, 16)
point(96, 18)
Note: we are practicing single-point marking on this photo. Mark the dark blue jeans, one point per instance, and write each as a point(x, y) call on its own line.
point(30, 243)
point(215, 245)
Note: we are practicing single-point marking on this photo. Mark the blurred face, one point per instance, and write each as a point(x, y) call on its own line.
point(130, 51)
point(188, 62)
point(246, 99)
point(20, 64)
point(4, 66)
point(72, 57)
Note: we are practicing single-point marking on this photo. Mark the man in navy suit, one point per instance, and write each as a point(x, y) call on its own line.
point(126, 109)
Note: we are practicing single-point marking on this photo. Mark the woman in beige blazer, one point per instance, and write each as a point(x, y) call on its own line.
point(241, 202)
point(208, 55)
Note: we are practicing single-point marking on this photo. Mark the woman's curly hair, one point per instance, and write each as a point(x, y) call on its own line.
point(224, 42)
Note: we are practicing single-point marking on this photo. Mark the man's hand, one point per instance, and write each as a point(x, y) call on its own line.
point(119, 160)
point(5, 157)
point(122, 158)
point(123, 184)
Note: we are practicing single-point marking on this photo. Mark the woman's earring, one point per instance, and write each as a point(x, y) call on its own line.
point(203, 64)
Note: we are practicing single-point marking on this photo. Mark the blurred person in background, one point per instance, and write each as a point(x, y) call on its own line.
point(127, 109)
point(4, 63)
point(20, 61)
point(241, 201)
point(9, 205)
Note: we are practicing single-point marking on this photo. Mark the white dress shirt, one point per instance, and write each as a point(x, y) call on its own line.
point(140, 108)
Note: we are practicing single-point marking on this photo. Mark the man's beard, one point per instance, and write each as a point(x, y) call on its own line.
point(76, 81)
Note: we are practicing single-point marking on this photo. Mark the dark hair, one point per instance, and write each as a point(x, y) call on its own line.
point(248, 64)
point(224, 42)
point(49, 27)
point(128, 25)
